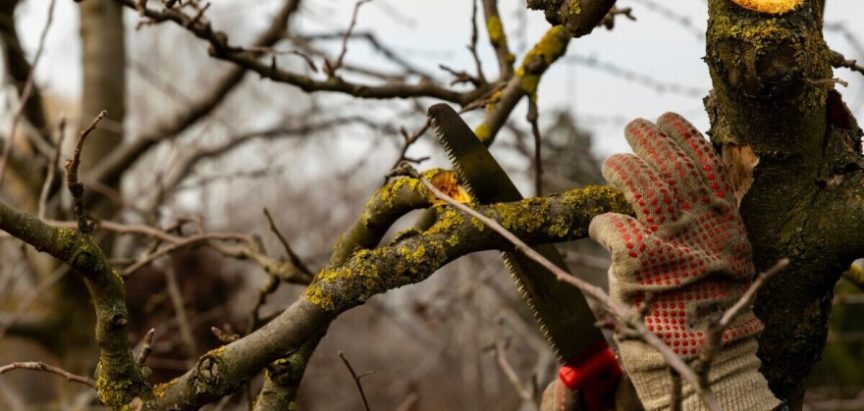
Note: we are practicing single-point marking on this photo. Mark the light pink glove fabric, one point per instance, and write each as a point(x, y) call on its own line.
point(687, 249)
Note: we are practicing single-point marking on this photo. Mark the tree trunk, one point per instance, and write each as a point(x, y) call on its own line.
point(773, 102)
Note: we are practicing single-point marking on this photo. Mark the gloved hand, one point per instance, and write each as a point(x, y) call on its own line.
point(688, 250)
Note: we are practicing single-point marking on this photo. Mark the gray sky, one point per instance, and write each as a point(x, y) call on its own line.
point(432, 32)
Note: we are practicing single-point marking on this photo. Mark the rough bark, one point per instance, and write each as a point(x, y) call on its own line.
point(773, 97)
point(118, 378)
point(409, 259)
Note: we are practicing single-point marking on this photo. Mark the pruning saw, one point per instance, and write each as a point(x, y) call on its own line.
point(561, 309)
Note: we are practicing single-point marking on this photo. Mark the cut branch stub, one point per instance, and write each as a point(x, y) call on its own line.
point(769, 6)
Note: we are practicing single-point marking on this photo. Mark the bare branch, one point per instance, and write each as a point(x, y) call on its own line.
point(123, 157)
point(472, 46)
point(41, 366)
point(839, 60)
point(26, 92)
point(332, 68)
point(221, 48)
point(714, 334)
point(498, 39)
point(345, 283)
point(76, 188)
point(527, 394)
point(180, 310)
point(287, 247)
point(545, 52)
point(538, 145)
point(106, 291)
point(52, 169)
point(356, 378)
point(146, 347)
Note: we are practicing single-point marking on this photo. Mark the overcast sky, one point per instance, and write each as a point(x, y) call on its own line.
point(431, 32)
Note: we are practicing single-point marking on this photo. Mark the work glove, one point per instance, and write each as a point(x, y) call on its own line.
point(686, 255)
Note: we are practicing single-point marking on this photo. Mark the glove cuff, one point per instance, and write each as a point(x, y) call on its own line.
point(734, 378)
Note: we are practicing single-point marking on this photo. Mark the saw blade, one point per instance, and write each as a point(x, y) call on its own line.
point(561, 309)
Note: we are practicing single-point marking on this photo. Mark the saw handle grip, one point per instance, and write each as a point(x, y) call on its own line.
point(595, 377)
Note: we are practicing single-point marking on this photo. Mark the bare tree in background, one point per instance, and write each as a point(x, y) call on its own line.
point(226, 211)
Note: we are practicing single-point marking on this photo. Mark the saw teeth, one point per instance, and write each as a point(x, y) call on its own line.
point(451, 155)
point(526, 297)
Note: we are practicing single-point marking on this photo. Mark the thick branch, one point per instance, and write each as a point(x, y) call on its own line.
point(498, 38)
point(282, 379)
point(118, 377)
point(548, 50)
point(408, 260)
point(579, 17)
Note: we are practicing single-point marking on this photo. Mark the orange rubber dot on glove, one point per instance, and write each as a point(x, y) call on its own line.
point(687, 249)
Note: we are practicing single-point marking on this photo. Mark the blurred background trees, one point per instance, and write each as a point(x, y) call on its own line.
point(193, 145)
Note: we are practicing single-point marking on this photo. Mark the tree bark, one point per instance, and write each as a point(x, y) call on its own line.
point(773, 102)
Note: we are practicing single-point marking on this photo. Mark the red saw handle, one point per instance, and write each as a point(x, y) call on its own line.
point(595, 376)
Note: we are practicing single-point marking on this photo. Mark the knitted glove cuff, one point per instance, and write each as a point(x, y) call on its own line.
point(734, 378)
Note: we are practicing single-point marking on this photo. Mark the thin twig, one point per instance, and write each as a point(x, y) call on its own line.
point(186, 242)
point(75, 187)
point(52, 168)
point(410, 139)
point(331, 69)
point(26, 93)
point(839, 60)
point(177, 302)
point(273, 52)
point(472, 47)
point(146, 347)
point(609, 19)
point(538, 158)
point(222, 49)
point(526, 393)
point(714, 334)
point(271, 284)
point(356, 378)
point(41, 366)
point(626, 320)
point(288, 250)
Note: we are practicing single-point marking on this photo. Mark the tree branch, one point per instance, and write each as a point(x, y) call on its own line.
point(498, 39)
point(123, 157)
point(628, 323)
point(41, 366)
point(409, 259)
point(220, 48)
point(118, 377)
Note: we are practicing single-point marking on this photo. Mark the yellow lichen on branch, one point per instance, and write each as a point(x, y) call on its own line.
point(769, 6)
point(550, 48)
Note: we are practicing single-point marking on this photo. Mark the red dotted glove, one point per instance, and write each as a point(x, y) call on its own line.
point(688, 250)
